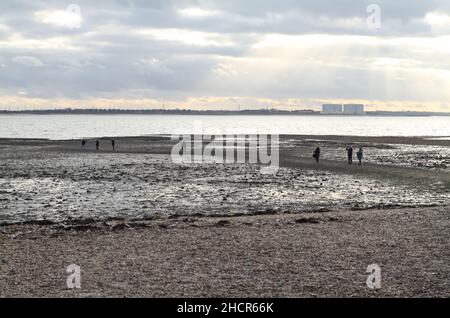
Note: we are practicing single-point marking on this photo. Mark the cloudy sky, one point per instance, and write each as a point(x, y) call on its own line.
point(225, 54)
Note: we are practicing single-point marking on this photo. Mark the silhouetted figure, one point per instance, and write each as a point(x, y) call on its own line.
point(97, 144)
point(350, 155)
point(83, 143)
point(316, 154)
point(113, 144)
point(359, 155)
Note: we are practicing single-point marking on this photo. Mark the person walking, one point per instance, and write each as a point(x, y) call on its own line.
point(316, 154)
point(359, 155)
point(83, 143)
point(97, 144)
point(113, 144)
point(350, 155)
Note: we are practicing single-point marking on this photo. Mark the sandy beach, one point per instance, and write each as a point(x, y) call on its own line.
point(139, 225)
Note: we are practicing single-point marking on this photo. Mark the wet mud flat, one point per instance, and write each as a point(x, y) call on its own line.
point(284, 255)
point(140, 225)
point(56, 181)
point(424, 153)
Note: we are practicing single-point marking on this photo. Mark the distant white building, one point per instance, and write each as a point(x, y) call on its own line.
point(332, 109)
point(354, 109)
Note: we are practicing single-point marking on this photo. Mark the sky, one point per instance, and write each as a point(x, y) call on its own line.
point(216, 54)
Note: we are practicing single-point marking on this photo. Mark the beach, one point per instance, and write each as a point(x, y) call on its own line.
point(297, 255)
point(140, 225)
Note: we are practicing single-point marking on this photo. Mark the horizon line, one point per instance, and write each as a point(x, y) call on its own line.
point(184, 110)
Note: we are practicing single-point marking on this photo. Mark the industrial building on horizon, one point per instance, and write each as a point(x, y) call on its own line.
point(354, 109)
point(346, 109)
point(332, 108)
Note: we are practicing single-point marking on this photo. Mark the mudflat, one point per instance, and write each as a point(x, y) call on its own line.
point(140, 225)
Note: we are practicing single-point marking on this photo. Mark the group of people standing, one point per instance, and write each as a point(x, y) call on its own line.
point(97, 144)
point(349, 149)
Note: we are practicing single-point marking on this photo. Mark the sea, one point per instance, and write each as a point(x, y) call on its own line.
point(75, 126)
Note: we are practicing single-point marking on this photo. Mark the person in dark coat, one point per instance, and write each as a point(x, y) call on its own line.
point(316, 154)
point(350, 155)
point(113, 144)
point(97, 144)
point(359, 155)
point(83, 143)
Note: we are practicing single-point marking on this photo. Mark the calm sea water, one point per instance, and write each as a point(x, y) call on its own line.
point(78, 126)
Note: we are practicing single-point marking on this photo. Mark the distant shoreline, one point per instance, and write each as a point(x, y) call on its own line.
point(262, 112)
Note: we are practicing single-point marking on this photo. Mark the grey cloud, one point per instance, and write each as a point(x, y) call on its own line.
point(235, 16)
point(28, 61)
point(107, 56)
